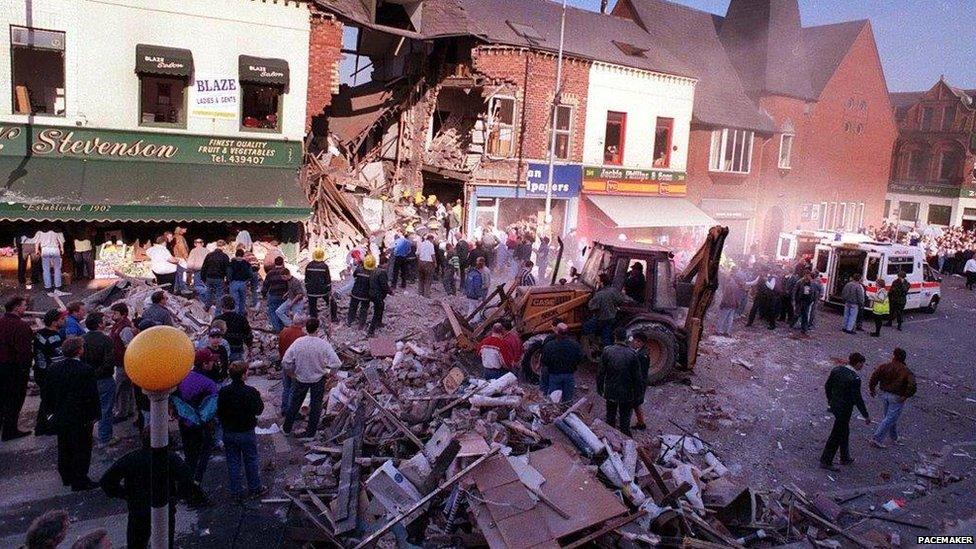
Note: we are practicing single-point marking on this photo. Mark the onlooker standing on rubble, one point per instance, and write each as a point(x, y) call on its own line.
point(157, 312)
point(897, 384)
point(194, 265)
point(604, 306)
point(318, 285)
point(238, 408)
point(476, 284)
point(73, 394)
point(239, 334)
point(843, 390)
point(307, 361)
point(294, 299)
point(359, 295)
point(16, 354)
point(524, 276)
point(496, 358)
point(732, 294)
point(286, 337)
point(379, 288)
point(401, 253)
point(639, 343)
point(558, 361)
point(618, 381)
point(274, 289)
point(122, 332)
point(271, 254)
point(100, 356)
point(214, 273)
point(489, 244)
point(542, 260)
point(239, 274)
point(47, 351)
point(195, 402)
point(425, 255)
point(452, 266)
point(853, 296)
point(462, 247)
point(163, 264)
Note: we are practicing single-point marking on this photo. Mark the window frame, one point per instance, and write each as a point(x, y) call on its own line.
point(945, 110)
point(281, 108)
point(623, 138)
point(64, 71)
point(568, 132)
point(186, 93)
point(942, 163)
point(948, 218)
point(669, 125)
point(723, 143)
point(922, 125)
point(492, 101)
point(789, 151)
point(901, 211)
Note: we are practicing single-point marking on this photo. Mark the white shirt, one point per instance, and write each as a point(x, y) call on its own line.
point(970, 266)
point(425, 251)
point(309, 358)
point(48, 240)
point(491, 358)
point(159, 258)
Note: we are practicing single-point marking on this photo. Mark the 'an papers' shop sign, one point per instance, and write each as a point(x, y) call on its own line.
point(214, 97)
point(94, 144)
point(628, 181)
point(566, 180)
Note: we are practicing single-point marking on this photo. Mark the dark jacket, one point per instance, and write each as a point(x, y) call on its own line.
point(99, 353)
point(47, 348)
point(239, 269)
point(894, 377)
point(16, 339)
point(239, 331)
point(275, 283)
point(898, 293)
point(318, 279)
point(462, 248)
point(618, 378)
point(379, 285)
point(129, 478)
point(238, 407)
point(843, 390)
point(71, 391)
point(560, 355)
point(215, 265)
point(360, 285)
point(804, 293)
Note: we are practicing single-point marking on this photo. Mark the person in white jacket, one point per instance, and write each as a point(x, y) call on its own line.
point(307, 362)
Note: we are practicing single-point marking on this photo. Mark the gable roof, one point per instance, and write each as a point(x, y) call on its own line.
point(825, 47)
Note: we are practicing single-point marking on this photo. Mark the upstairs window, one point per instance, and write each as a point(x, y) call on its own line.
point(949, 165)
point(928, 115)
point(918, 166)
point(786, 151)
point(263, 83)
point(501, 126)
point(562, 131)
point(948, 117)
point(731, 151)
point(662, 142)
point(37, 71)
point(613, 138)
point(163, 77)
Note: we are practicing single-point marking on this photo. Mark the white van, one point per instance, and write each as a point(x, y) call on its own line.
point(837, 261)
point(801, 243)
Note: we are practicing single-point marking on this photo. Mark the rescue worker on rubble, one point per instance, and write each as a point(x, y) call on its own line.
point(379, 288)
point(359, 297)
point(618, 381)
point(318, 285)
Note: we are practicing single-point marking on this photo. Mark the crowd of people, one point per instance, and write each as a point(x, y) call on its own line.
point(948, 249)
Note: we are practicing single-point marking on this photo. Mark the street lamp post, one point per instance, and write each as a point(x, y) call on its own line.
point(556, 100)
point(156, 361)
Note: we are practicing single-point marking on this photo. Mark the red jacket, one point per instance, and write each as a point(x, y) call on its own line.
point(503, 347)
point(16, 342)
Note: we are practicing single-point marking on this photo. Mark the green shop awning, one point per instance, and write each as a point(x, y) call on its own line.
point(98, 190)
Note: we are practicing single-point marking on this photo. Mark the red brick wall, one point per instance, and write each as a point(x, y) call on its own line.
point(324, 55)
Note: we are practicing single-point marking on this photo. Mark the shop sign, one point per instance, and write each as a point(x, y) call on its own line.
point(630, 181)
point(214, 97)
point(924, 189)
point(566, 180)
point(94, 144)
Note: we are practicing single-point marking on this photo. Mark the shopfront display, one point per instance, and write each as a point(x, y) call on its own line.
point(505, 205)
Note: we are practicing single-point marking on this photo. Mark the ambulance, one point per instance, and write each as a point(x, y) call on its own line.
point(802, 243)
point(837, 261)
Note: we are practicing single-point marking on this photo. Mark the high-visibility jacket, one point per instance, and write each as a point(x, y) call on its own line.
point(881, 305)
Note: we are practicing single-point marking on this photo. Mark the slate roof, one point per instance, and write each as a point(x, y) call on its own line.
point(825, 47)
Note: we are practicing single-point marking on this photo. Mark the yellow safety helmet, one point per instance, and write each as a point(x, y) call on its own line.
point(418, 198)
point(431, 200)
point(318, 254)
point(369, 262)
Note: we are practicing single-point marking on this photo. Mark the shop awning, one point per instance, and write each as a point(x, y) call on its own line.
point(635, 212)
point(163, 60)
point(93, 190)
point(258, 70)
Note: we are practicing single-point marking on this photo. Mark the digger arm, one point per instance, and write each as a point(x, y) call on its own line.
point(705, 265)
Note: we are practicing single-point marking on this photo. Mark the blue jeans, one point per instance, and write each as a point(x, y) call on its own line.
point(725, 320)
point(562, 382)
point(199, 287)
point(850, 316)
point(298, 390)
point(179, 284)
point(241, 449)
point(255, 287)
point(274, 302)
point(286, 312)
point(106, 401)
point(493, 373)
point(286, 383)
point(604, 328)
point(893, 406)
point(238, 290)
point(51, 261)
point(215, 291)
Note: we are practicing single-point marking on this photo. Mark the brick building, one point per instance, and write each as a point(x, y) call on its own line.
point(933, 164)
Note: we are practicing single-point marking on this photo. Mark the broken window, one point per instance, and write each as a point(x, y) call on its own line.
point(786, 150)
point(928, 114)
point(613, 142)
point(261, 107)
point(162, 100)
point(948, 117)
point(662, 142)
point(564, 121)
point(731, 151)
point(37, 71)
point(501, 126)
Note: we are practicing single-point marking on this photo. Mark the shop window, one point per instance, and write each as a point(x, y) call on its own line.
point(948, 117)
point(786, 150)
point(501, 126)
point(662, 142)
point(162, 100)
point(562, 131)
point(949, 165)
point(731, 151)
point(928, 114)
point(908, 211)
point(37, 71)
point(613, 139)
point(261, 106)
point(939, 214)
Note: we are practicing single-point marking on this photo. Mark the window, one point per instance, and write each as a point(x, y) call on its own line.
point(859, 218)
point(785, 150)
point(939, 214)
point(501, 126)
point(261, 106)
point(731, 151)
point(37, 71)
point(887, 211)
point(900, 265)
point(662, 142)
point(874, 265)
point(841, 220)
point(828, 217)
point(564, 121)
point(908, 211)
point(928, 114)
point(918, 166)
point(664, 292)
point(823, 256)
point(948, 117)
point(949, 162)
point(613, 139)
point(162, 100)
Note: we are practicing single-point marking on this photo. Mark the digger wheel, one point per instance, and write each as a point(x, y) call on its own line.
point(531, 366)
point(662, 347)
